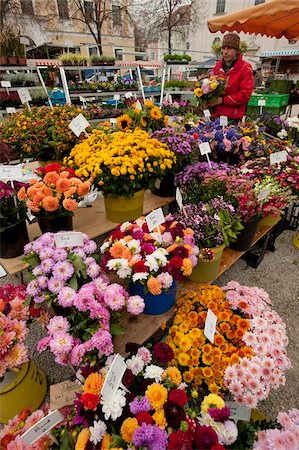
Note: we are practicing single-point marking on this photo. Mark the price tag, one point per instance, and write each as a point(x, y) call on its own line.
point(278, 157)
point(11, 110)
point(138, 105)
point(157, 183)
point(24, 95)
point(263, 194)
point(223, 121)
point(69, 239)
point(113, 379)
point(5, 84)
point(238, 411)
point(11, 172)
point(64, 394)
point(261, 102)
point(42, 427)
point(154, 219)
point(116, 97)
point(78, 124)
point(210, 326)
point(113, 120)
point(82, 99)
point(2, 272)
point(206, 113)
point(179, 198)
point(128, 94)
point(204, 148)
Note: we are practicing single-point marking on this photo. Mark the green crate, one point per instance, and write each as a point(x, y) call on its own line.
point(272, 100)
point(254, 111)
point(282, 86)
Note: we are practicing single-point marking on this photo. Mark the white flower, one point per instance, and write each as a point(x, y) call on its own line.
point(282, 134)
point(154, 372)
point(156, 259)
point(113, 407)
point(136, 364)
point(104, 246)
point(97, 431)
point(152, 263)
point(124, 226)
point(134, 245)
point(139, 276)
point(140, 222)
point(121, 266)
point(157, 236)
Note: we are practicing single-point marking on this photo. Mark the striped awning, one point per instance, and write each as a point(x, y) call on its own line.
point(139, 63)
point(43, 62)
point(294, 52)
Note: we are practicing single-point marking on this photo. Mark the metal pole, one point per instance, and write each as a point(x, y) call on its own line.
point(141, 84)
point(44, 86)
point(162, 85)
point(65, 86)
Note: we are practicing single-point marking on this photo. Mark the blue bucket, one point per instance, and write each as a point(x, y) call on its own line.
point(155, 304)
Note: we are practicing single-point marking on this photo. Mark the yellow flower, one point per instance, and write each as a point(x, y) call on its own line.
point(214, 85)
point(174, 374)
point(185, 344)
point(157, 395)
point(212, 401)
point(149, 103)
point(124, 122)
point(183, 359)
point(156, 113)
point(143, 122)
point(159, 418)
point(198, 92)
point(127, 429)
point(93, 384)
point(83, 438)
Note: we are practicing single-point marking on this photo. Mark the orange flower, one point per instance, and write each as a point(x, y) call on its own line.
point(72, 190)
point(243, 324)
point(234, 359)
point(207, 372)
point(83, 438)
point(183, 359)
point(157, 395)
point(31, 191)
point(50, 204)
point(93, 383)
point(207, 359)
point(128, 427)
point(84, 188)
point(51, 178)
point(188, 377)
point(45, 190)
point(207, 349)
point(106, 441)
point(22, 193)
point(154, 286)
point(174, 374)
point(63, 185)
point(218, 339)
point(186, 267)
point(69, 204)
point(224, 327)
point(117, 249)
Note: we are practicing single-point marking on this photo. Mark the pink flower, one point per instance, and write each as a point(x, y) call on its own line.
point(165, 279)
point(77, 354)
point(43, 344)
point(66, 296)
point(115, 296)
point(61, 343)
point(145, 354)
point(58, 323)
point(135, 305)
point(102, 340)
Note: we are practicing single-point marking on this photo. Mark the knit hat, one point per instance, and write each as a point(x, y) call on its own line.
point(231, 40)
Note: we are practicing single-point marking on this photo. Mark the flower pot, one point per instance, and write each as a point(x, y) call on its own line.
point(207, 271)
point(12, 61)
point(296, 239)
point(55, 224)
point(3, 60)
point(166, 186)
point(270, 221)
point(245, 238)
point(120, 209)
point(13, 239)
point(18, 390)
point(22, 61)
point(155, 304)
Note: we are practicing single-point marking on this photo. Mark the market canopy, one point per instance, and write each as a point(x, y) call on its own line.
point(276, 18)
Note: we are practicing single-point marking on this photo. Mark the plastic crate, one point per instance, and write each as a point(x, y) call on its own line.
point(291, 219)
point(273, 100)
point(282, 86)
point(254, 111)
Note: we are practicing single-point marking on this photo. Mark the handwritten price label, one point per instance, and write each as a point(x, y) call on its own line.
point(238, 412)
point(69, 239)
point(204, 148)
point(64, 394)
point(24, 95)
point(116, 97)
point(42, 427)
point(11, 172)
point(261, 102)
point(263, 194)
point(79, 124)
point(5, 84)
point(113, 379)
point(210, 326)
point(138, 105)
point(278, 157)
point(206, 113)
point(223, 121)
point(179, 198)
point(154, 219)
point(11, 110)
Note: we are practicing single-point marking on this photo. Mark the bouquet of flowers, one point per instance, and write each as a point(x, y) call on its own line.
point(176, 108)
point(240, 189)
point(149, 118)
point(58, 193)
point(208, 88)
point(70, 278)
point(42, 133)
point(13, 209)
point(277, 198)
point(153, 259)
point(121, 163)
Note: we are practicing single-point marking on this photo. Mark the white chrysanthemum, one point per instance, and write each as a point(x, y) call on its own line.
point(97, 431)
point(124, 226)
point(121, 266)
point(104, 246)
point(156, 259)
point(124, 272)
point(282, 134)
point(140, 222)
point(134, 246)
point(139, 276)
point(113, 407)
point(151, 263)
point(136, 364)
point(154, 373)
point(157, 236)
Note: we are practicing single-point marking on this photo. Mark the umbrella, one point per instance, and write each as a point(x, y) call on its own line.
point(276, 18)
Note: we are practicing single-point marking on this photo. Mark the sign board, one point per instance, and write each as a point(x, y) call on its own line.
point(64, 394)
point(206, 113)
point(263, 194)
point(154, 219)
point(24, 95)
point(113, 378)
point(210, 326)
point(238, 411)
point(116, 97)
point(138, 105)
point(261, 102)
point(223, 121)
point(69, 239)
point(42, 427)
point(5, 84)
point(11, 110)
point(11, 172)
point(79, 124)
point(113, 120)
point(278, 157)
point(204, 148)
point(24, 40)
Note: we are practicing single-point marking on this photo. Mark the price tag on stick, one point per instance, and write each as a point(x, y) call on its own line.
point(79, 124)
point(210, 326)
point(11, 172)
point(69, 239)
point(64, 394)
point(206, 113)
point(238, 411)
point(154, 219)
point(278, 157)
point(42, 427)
point(179, 199)
point(113, 378)
point(205, 149)
point(261, 103)
point(223, 121)
point(6, 85)
point(11, 110)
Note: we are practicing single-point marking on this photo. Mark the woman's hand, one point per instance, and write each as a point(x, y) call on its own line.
point(217, 101)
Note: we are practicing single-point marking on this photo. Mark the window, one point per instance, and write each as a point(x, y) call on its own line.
point(117, 53)
point(116, 15)
point(93, 51)
point(258, 2)
point(63, 10)
point(88, 10)
point(220, 7)
point(27, 7)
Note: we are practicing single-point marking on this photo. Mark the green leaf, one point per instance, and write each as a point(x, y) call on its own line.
point(116, 329)
point(73, 283)
point(31, 260)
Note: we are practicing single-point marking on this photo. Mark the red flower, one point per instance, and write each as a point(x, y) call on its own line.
point(6, 440)
point(179, 441)
point(195, 135)
point(116, 234)
point(140, 267)
point(128, 378)
point(176, 262)
point(205, 437)
point(178, 396)
point(34, 312)
point(162, 353)
point(145, 227)
point(218, 447)
point(90, 401)
point(144, 417)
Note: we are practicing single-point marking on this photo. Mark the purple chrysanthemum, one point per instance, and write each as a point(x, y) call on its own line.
point(138, 405)
point(63, 270)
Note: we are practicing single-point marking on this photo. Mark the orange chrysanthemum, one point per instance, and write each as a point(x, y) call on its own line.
point(51, 178)
point(157, 395)
point(183, 359)
point(63, 185)
point(159, 418)
point(93, 384)
point(154, 286)
point(186, 267)
point(117, 250)
point(82, 440)
point(70, 204)
point(106, 441)
point(84, 188)
point(22, 193)
point(185, 344)
point(127, 429)
point(174, 374)
point(50, 204)
point(207, 372)
point(188, 376)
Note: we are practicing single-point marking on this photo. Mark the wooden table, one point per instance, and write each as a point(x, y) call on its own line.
point(90, 220)
point(141, 328)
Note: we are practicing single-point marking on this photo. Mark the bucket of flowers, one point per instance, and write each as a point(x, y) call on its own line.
point(149, 117)
point(152, 263)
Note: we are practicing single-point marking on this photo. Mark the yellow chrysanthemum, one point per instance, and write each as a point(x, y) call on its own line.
point(159, 418)
point(156, 113)
point(127, 429)
point(157, 395)
point(93, 384)
point(106, 441)
point(124, 122)
point(212, 401)
point(82, 439)
point(174, 374)
point(185, 344)
point(198, 92)
point(183, 359)
point(149, 103)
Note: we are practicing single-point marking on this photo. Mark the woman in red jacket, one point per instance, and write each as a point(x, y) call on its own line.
point(240, 81)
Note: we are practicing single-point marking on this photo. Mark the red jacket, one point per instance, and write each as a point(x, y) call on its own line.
point(240, 84)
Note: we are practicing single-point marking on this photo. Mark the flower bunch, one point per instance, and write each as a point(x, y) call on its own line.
point(12, 208)
point(182, 144)
point(277, 198)
point(240, 189)
point(57, 193)
point(70, 278)
point(42, 133)
point(251, 379)
point(154, 259)
point(201, 362)
point(149, 117)
point(121, 163)
point(13, 324)
point(176, 107)
point(208, 88)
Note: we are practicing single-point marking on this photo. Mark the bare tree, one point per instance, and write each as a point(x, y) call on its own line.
point(7, 9)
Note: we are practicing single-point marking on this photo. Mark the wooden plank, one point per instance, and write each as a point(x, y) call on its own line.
point(90, 220)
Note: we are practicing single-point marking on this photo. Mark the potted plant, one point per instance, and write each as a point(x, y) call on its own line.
point(175, 58)
point(54, 199)
point(149, 118)
point(121, 164)
point(73, 59)
point(102, 60)
point(13, 228)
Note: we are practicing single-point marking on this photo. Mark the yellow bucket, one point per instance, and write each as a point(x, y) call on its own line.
point(296, 239)
point(22, 389)
point(121, 209)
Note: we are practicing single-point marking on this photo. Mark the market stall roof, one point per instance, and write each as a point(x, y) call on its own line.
point(139, 63)
point(294, 52)
point(276, 18)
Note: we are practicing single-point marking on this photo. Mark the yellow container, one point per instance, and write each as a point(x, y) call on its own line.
point(22, 389)
point(121, 209)
point(296, 239)
point(270, 221)
point(207, 271)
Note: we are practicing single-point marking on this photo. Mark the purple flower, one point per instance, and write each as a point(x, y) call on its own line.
point(55, 285)
point(61, 343)
point(77, 354)
point(138, 405)
point(150, 437)
point(63, 270)
point(46, 252)
point(93, 270)
point(60, 254)
point(47, 265)
point(66, 296)
point(42, 282)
